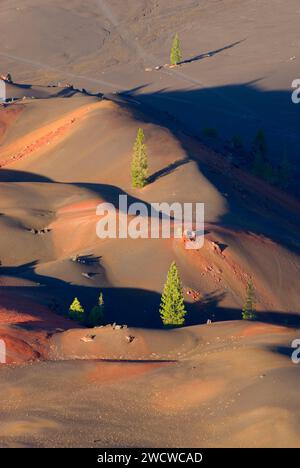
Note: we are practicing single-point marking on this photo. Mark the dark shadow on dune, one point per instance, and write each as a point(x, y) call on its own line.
point(10, 175)
point(283, 350)
point(131, 306)
point(19, 271)
point(211, 53)
point(236, 109)
point(250, 206)
point(167, 170)
point(287, 319)
point(48, 91)
point(249, 209)
point(110, 193)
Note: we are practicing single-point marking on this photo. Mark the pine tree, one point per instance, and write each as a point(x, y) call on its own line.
point(139, 164)
point(96, 316)
point(172, 309)
point(176, 54)
point(76, 311)
point(249, 306)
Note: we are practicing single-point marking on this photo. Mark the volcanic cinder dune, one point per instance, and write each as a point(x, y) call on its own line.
point(66, 146)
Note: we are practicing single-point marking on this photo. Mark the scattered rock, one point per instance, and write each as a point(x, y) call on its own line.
point(217, 247)
point(43, 231)
point(194, 294)
point(39, 231)
point(88, 338)
point(87, 275)
point(6, 78)
point(130, 338)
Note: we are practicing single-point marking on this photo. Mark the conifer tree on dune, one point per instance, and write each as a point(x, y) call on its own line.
point(139, 163)
point(172, 309)
point(176, 53)
point(248, 312)
point(76, 311)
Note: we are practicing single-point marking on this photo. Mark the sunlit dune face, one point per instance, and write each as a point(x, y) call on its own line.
point(186, 395)
point(262, 329)
point(31, 425)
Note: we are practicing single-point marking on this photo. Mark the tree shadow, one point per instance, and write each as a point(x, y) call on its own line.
point(167, 170)
point(211, 53)
point(11, 175)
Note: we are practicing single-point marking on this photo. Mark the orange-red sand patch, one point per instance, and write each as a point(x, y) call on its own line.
point(84, 205)
point(262, 329)
point(18, 350)
point(112, 372)
point(8, 115)
point(42, 137)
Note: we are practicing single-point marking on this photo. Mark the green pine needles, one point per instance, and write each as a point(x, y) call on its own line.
point(248, 312)
point(139, 164)
point(176, 54)
point(76, 311)
point(94, 318)
point(172, 309)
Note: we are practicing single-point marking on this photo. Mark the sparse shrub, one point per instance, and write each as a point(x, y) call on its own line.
point(139, 164)
point(210, 132)
point(176, 54)
point(248, 312)
point(96, 316)
point(172, 309)
point(76, 311)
